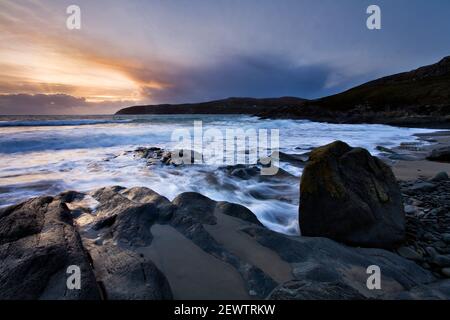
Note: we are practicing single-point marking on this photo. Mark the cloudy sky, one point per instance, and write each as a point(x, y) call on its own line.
point(169, 51)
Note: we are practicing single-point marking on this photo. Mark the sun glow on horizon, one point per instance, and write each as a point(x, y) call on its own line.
point(49, 60)
point(41, 71)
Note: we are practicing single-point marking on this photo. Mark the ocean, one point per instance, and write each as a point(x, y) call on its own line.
point(45, 155)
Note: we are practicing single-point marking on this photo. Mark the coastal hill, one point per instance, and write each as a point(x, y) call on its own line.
point(417, 98)
point(224, 106)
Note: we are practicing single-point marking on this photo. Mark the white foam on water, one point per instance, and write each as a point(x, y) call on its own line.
point(47, 156)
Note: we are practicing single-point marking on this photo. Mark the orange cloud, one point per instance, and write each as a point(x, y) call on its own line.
point(38, 55)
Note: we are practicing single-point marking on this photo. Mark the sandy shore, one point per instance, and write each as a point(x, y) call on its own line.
point(415, 165)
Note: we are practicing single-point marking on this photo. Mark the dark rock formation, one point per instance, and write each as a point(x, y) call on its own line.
point(126, 275)
point(158, 156)
point(440, 155)
point(38, 242)
point(203, 209)
point(125, 230)
point(349, 196)
point(194, 211)
point(325, 269)
point(313, 290)
point(136, 244)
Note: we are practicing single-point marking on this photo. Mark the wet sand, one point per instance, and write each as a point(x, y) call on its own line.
point(421, 168)
point(195, 274)
point(192, 273)
point(227, 233)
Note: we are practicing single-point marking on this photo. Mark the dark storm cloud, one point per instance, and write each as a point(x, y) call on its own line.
point(255, 76)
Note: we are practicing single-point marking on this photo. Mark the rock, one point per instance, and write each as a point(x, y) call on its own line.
point(441, 176)
point(431, 252)
point(437, 290)
point(241, 171)
point(130, 213)
point(121, 227)
point(196, 206)
point(349, 196)
point(132, 226)
point(245, 173)
point(446, 272)
point(194, 216)
point(146, 195)
point(409, 209)
point(296, 160)
point(440, 155)
point(446, 237)
point(440, 244)
point(311, 290)
point(409, 253)
point(125, 275)
point(441, 260)
point(402, 157)
point(147, 152)
point(324, 269)
point(429, 236)
point(160, 156)
point(70, 196)
point(38, 242)
point(384, 149)
point(204, 209)
point(237, 211)
point(182, 157)
point(126, 251)
point(422, 186)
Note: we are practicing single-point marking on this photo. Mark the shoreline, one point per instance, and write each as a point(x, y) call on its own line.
point(418, 167)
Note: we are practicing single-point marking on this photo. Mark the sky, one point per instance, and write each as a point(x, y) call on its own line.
point(131, 52)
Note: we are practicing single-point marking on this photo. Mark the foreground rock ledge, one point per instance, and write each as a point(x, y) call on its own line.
point(352, 197)
point(135, 244)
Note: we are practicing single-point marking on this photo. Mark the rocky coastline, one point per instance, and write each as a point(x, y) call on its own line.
point(134, 244)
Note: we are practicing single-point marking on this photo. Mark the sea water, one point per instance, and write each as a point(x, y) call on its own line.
point(45, 155)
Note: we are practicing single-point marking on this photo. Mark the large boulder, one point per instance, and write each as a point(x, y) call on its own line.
point(349, 196)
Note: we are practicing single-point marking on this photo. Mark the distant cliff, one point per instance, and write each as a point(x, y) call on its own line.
point(225, 106)
point(417, 98)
